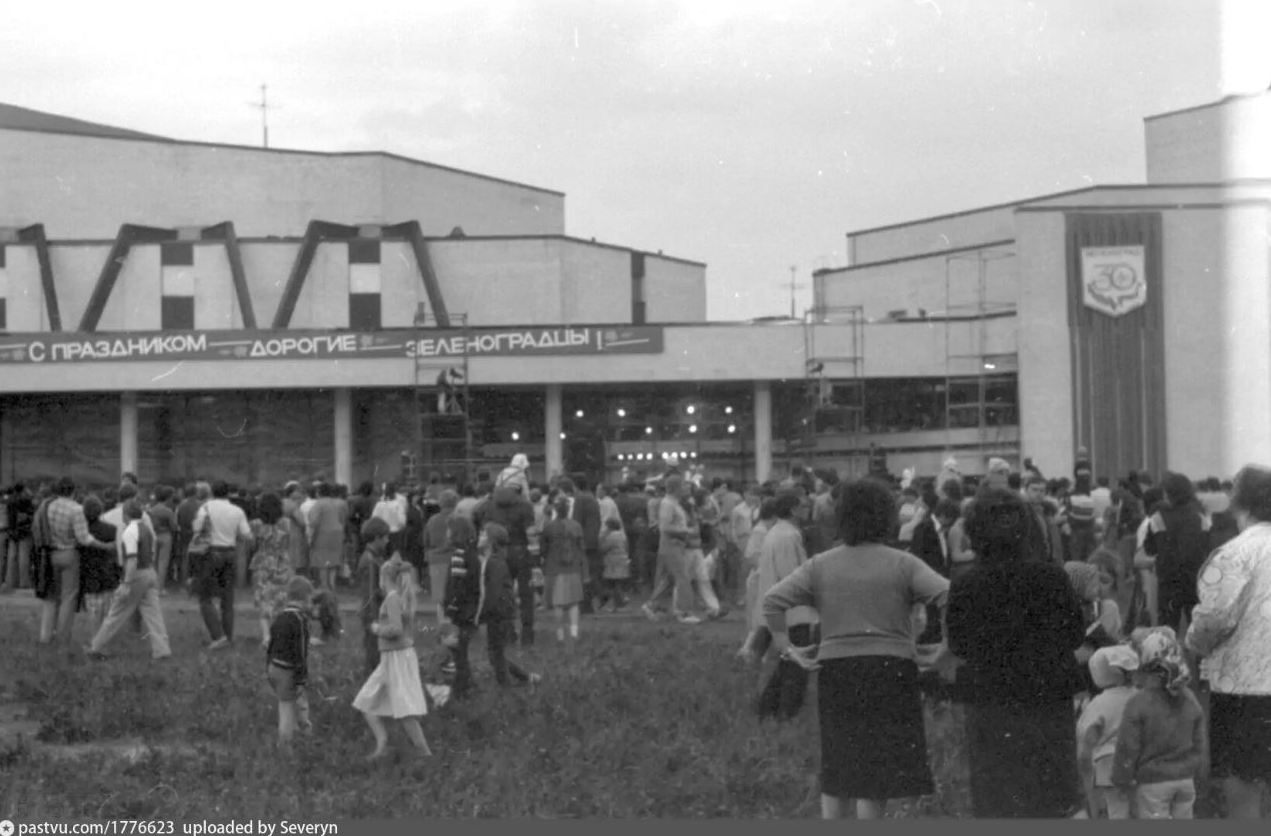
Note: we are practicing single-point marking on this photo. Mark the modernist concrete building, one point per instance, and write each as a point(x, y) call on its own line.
point(1134, 320)
point(182, 308)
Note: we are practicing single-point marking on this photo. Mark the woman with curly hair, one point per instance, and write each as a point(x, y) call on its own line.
point(873, 742)
point(271, 560)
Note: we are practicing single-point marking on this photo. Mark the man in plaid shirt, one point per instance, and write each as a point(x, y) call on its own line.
point(67, 529)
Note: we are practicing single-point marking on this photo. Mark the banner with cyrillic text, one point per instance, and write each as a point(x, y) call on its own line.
point(423, 344)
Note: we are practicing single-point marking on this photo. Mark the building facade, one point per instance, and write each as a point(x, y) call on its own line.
point(183, 309)
point(1129, 320)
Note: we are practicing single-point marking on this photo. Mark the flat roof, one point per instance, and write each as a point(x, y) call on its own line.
point(17, 118)
point(1225, 100)
point(297, 239)
point(1085, 189)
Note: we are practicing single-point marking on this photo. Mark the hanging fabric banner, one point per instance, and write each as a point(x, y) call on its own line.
point(1112, 279)
point(1116, 317)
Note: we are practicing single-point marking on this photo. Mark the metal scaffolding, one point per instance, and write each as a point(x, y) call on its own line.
point(833, 375)
point(443, 406)
point(969, 366)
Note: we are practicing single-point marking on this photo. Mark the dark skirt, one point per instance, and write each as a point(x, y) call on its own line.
point(1240, 736)
point(873, 740)
point(1023, 760)
point(784, 694)
point(99, 571)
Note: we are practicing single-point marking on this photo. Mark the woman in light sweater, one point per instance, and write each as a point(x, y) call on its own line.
point(873, 743)
point(1231, 631)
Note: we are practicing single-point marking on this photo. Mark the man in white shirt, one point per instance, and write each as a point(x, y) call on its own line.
point(115, 516)
point(1101, 497)
point(226, 525)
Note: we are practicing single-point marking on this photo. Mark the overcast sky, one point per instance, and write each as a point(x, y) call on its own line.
point(751, 136)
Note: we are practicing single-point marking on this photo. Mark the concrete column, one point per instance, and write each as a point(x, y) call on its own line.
point(127, 432)
point(763, 430)
point(553, 421)
point(344, 436)
point(1246, 344)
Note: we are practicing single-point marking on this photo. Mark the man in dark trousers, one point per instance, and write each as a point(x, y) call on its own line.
point(931, 544)
point(510, 509)
point(584, 508)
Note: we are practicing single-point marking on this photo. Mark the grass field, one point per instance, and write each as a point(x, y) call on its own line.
point(637, 720)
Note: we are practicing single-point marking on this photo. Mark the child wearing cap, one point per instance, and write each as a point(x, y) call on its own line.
point(1162, 747)
point(1112, 670)
point(287, 659)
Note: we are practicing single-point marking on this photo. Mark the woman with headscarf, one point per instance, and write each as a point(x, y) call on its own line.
point(1099, 612)
point(1016, 622)
point(1231, 631)
point(1160, 751)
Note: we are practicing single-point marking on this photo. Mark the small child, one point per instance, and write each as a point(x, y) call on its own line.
point(1112, 670)
point(325, 608)
point(287, 659)
point(1160, 751)
point(375, 535)
point(564, 565)
point(394, 688)
point(537, 583)
point(617, 564)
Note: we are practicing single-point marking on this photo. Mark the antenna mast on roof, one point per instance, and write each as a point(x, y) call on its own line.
point(793, 286)
point(263, 106)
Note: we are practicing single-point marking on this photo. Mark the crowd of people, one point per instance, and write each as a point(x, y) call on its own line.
point(1110, 643)
point(1084, 628)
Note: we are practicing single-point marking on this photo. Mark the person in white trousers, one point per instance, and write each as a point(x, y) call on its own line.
point(139, 590)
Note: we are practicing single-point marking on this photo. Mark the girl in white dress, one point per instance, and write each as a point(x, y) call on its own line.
point(394, 688)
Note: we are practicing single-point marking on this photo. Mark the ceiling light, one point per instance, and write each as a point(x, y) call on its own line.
point(516, 436)
point(728, 410)
point(578, 414)
point(692, 428)
point(732, 428)
point(622, 413)
point(691, 409)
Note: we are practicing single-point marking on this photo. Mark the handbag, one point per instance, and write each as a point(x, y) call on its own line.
point(201, 542)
